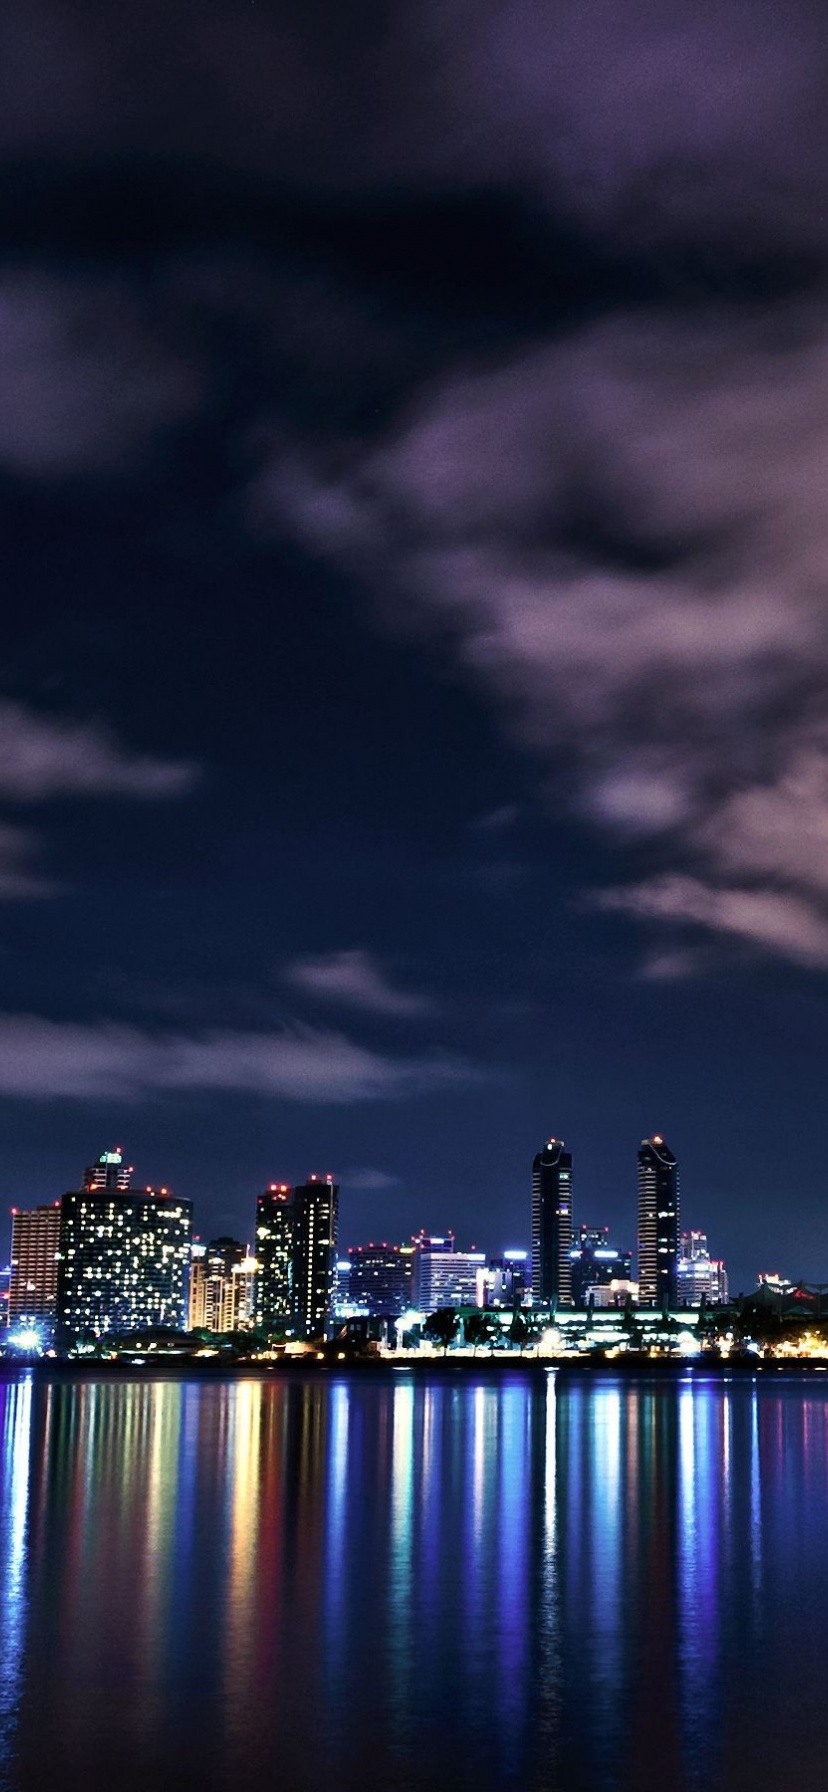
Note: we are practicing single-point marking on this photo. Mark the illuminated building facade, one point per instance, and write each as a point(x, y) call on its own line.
point(108, 1171)
point(33, 1284)
point(222, 1287)
point(124, 1257)
point(296, 1256)
point(442, 1276)
point(598, 1269)
point(700, 1277)
point(658, 1224)
point(380, 1277)
point(274, 1255)
point(504, 1282)
point(315, 1215)
point(552, 1226)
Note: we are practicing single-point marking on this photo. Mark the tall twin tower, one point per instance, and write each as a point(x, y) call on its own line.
point(658, 1225)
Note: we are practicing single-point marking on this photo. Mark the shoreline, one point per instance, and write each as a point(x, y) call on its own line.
point(691, 1369)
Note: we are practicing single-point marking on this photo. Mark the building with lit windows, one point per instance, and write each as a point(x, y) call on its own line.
point(380, 1277)
point(658, 1224)
point(442, 1276)
point(33, 1284)
point(552, 1226)
point(598, 1269)
point(274, 1255)
point(504, 1282)
point(109, 1171)
point(315, 1216)
point(699, 1276)
point(124, 1258)
point(222, 1287)
point(296, 1256)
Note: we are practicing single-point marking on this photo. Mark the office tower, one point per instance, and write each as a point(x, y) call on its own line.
point(109, 1171)
point(219, 1287)
point(342, 1288)
point(598, 1269)
point(315, 1214)
point(504, 1281)
point(124, 1257)
point(442, 1276)
point(245, 1276)
point(33, 1284)
point(274, 1255)
point(380, 1277)
point(658, 1224)
point(197, 1294)
point(552, 1226)
point(698, 1275)
point(296, 1256)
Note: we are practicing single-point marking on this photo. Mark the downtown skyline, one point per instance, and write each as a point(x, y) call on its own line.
point(413, 733)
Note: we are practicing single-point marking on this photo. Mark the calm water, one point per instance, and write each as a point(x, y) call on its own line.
point(388, 1583)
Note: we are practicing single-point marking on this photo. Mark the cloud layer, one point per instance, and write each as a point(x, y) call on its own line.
point(355, 979)
point(601, 490)
point(668, 653)
point(41, 1059)
point(42, 757)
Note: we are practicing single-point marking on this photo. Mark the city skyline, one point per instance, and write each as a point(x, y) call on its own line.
point(285, 1277)
point(412, 713)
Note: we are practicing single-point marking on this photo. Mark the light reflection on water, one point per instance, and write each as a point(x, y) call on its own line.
point(385, 1582)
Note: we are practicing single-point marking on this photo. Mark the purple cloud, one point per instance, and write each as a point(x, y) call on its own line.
point(86, 381)
point(689, 694)
point(19, 877)
point(355, 979)
point(42, 757)
point(43, 1059)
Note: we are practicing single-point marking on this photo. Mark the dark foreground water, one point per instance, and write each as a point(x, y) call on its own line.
point(387, 1583)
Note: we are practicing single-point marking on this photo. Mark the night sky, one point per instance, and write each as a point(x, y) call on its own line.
point(413, 715)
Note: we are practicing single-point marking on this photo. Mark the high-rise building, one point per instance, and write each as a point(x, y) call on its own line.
point(33, 1284)
point(245, 1278)
point(108, 1171)
point(274, 1255)
point(658, 1224)
point(442, 1276)
point(220, 1292)
point(315, 1215)
point(552, 1226)
point(124, 1257)
point(380, 1277)
point(296, 1256)
point(504, 1281)
point(597, 1266)
point(698, 1275)
point(197, 1294)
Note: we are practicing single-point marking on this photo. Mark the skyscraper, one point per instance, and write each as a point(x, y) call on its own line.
point(222, 1283)
point(658, 1224)
point(108, 1171)
point(34, 1267)
point(442, 1276)
point(296, 1255)
point(220, 1259)
point(596, 1265)
point(380, 1277)
point(124, 1255)
point(315, 1214)
point(552, 1225)
point(699, 1276)
point(274, 1254)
